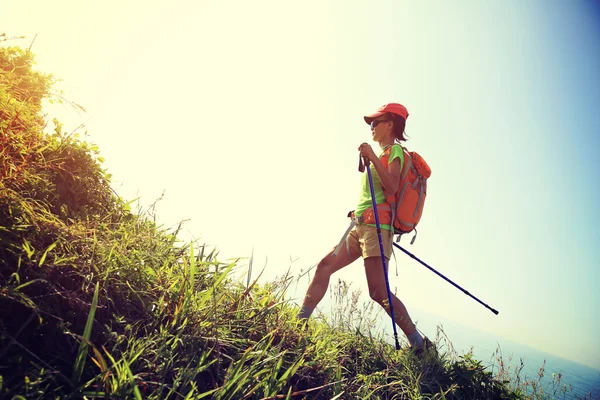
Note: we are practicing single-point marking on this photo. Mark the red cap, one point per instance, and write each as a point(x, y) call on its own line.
point(393, 108)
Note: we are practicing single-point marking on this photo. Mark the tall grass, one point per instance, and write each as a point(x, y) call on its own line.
point(189, 331)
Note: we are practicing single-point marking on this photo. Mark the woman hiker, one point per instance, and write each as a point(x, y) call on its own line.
point(387, 129)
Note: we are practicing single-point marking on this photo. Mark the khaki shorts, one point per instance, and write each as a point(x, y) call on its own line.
point(363, 240)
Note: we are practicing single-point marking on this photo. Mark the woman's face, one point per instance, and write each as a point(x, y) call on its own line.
point(380, 126)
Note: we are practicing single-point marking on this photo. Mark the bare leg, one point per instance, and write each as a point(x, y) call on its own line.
point(320, 282)
point(378, 292)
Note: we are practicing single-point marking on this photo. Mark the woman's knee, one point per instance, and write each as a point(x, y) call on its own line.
point(379, 295)
point(324, 267)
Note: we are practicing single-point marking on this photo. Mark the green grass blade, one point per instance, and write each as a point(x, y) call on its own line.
point(291, 371)
point(83, 346)
point(20, 287)
point(202, 395)
point(136, 390)
point(192, 264)
point(49, 249)
point(250, 269)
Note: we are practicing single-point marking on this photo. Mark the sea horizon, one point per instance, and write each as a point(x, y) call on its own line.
point(583, 379)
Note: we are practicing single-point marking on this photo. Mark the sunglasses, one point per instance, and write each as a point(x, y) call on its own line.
point(376, 122)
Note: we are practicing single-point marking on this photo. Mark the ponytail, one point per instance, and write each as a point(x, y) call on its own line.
point(399, 126)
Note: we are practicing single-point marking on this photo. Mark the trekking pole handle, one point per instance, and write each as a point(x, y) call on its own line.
point(361, 163)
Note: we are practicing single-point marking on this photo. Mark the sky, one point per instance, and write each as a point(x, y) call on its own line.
point(246, 118)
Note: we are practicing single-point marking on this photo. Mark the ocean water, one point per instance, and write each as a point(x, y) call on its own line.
point(580, 379)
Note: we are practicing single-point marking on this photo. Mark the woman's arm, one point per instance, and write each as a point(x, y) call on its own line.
point(390, 176)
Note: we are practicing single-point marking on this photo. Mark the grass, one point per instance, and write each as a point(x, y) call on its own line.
point(97, 301)
point(183, 329)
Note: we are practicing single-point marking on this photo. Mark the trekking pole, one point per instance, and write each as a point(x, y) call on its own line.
point(463, 290)
point(387, 283)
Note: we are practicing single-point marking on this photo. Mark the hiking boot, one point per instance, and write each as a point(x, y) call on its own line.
point(428, 347)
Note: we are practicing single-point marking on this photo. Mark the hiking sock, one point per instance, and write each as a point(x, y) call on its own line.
point(304, 313)
point(415, 339)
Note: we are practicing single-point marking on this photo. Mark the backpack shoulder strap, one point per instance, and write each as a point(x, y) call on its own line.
point(385, 157)
point(407, 164)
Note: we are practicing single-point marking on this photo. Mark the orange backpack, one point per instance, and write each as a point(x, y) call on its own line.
point(407, 203)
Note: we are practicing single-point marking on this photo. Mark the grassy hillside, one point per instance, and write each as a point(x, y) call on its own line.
point(97, 301)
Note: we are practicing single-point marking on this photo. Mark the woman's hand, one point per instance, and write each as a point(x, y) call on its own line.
point(367, 152)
